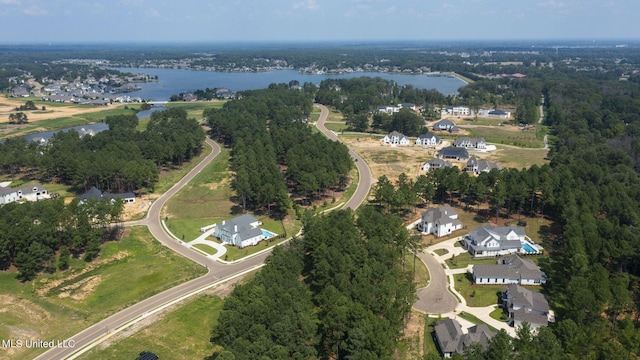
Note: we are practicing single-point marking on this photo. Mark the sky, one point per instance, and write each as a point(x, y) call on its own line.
point(81, 21)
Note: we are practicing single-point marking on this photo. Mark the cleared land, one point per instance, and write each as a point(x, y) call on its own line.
point(87, 292)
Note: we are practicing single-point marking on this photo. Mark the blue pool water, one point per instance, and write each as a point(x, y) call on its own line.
point(267, 234)
point(526, 247)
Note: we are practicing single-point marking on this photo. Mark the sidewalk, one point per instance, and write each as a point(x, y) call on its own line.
point(481, 313)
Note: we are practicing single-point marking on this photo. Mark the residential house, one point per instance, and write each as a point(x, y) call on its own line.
point(409, 106)
point(450, 152)
point(440, 221)
point(436, 164)
point(451, 339)
point(94, 192)
point(29, 193)
point(456, 111)
point(494, 240)
point(241, 231)
point(510, 270)
point(388, 109)
point(20, 91)
point(497, 113)
point(470, 143)
point(428, 139)
point(478, 166)
point(524, 305)
point(446, 125)
point(395, 138)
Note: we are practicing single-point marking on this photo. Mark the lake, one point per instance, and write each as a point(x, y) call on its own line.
point(96, 127)
point(171, 81)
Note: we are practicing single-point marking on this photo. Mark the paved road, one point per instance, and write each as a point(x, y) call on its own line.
point(435, 298)
point(216, 272)
point(366, 179)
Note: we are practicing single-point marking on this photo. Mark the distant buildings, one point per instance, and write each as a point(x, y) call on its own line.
point(96, 193)
point(395, 138)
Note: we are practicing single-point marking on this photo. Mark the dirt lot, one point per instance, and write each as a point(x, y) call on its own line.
point(8, 105)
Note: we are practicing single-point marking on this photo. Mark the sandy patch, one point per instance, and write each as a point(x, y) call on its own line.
point(30, 313)
point(82, 289)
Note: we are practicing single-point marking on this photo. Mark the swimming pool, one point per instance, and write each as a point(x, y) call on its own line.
point(267, 234)
point(528, 248)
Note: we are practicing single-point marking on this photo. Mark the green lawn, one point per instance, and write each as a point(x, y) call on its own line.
point(498, 314)
point(477, 295)
point(441, 251)
point(195, 109)
point(181, 334)
point(463, 260)
point(88, 292)
point(475, 320)
point(498, 135)
point(337, 127)
point(422, 274)
point(206, 248)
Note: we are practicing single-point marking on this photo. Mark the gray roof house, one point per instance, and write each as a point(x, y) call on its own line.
point(494, 241)
point(510, 270)
point(428, 139)
point(395, 138)
point(467, 142)
point(29, 193)
point(445, 124)
point(94, 192)
point(439, 221)
point(451, 339)
point(524, 305)
point(478, 166)
point(436, 164)
point(453, 153)
point(241, 231)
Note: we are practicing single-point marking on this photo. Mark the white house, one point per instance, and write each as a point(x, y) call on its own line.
point(395, 138)
point(428, 139)
point(446, 125)
point(29, 193)
point(524, 305)
point(241, 231)
point(388, 109)
point(509, 270)
point(470, 143)
point(478, 166)
point(456, 111)
point(440, 221)
point(436, 164)
point(494, 241)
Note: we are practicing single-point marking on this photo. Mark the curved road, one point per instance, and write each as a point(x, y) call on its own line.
point(366, 179)
point(217, 272)
point(434, 298)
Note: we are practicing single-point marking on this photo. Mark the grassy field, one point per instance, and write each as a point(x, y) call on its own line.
point(181, 334)
point(205, 248)
point(88, 292)
point(334, 126)
point(497, 135)
point(477, 295)
point(195, 109)
point(422, 274)
point(513, 157)
point(463, 260)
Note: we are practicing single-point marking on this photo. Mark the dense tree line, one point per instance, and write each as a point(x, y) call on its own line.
point(338, 292)
point(270, 138)
point(42, 236)
point(119, 160)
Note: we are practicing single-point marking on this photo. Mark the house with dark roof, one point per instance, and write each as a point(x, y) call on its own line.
point(494, 240)
point(510, 270)
point(241, 231)
point(395, 138)
point(445, 125)
point(497, 113)
point(428, 139)
point(440, 221)
point(470, 143)
point(94, 192)
point(450, 152)
point(451, 339)
point(524, 305)
point(476, 166)
point(436, 164)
